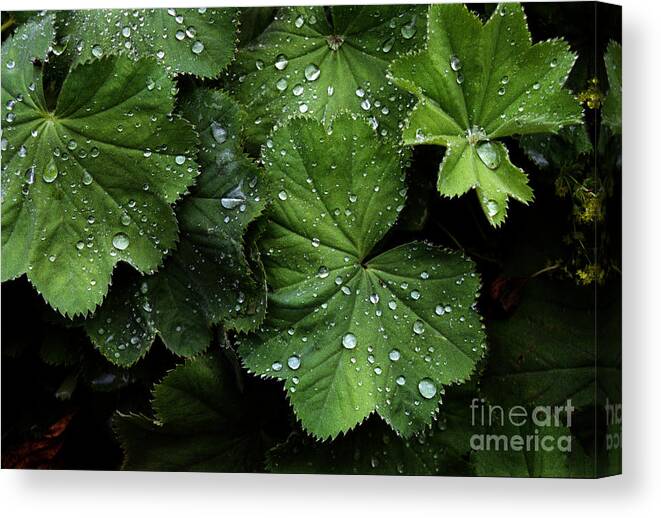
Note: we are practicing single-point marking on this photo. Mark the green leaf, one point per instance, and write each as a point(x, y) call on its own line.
point(612, 108)
point(91, 182)
point(208, 279)
point(190, 41)
point(323, 61)
point(477, 83)
point(547, 351)
point(374, 449)
point(348, 332)
point(204, 421)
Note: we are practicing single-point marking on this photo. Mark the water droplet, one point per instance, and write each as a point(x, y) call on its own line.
point(10, 64)
point(401, 380)
point(197, 47)
point(455, 63)
point(489, 154)
point(29, 176)
point(303, 108)
point(126, 31)
point(409, 30)
point(281, 84)
point(297, 90)
point(349, 341)
point(233, 198)
point(120, 241)
point(374, 298)
point(299, 22)
point(415, 294)
point(418, 327)
point(218, 132)
point(180, 159)
point(392, 305)
point(440, 310)
point(427, 388)
point(180, 35)
point(294, 362)
point(387, 45)
point(394, 355)
point(50, 174)
point(87, 178)
point(97, 51)
point(505, 80)
point(276, 366)
point(323, 272)
point(312, 72)
point(492, 208)
point(282, 195)
point(281, 62)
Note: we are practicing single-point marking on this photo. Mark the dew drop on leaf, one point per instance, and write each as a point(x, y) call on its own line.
point(312, 72)
point(120, 241)
point(427, 388)
point(349, 341)
point(281, 62)
point(197, 47)
point(218, 132)
point(50, 173)
point(294, 362)
point(488, 154)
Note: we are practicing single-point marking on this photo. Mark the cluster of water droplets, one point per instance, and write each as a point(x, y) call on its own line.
point(137, 32)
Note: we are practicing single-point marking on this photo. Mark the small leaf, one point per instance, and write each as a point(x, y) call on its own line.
point(91, 182)
point(208, 279)
point(477, 83)
point(612, 108)
point(348, 332)
point(191, 41)
point(323, 61)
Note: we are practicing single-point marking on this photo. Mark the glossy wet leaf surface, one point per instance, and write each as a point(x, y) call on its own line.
point(322, 61)
point(477, 83)
point(208, 279)
point(348, 332)
point(192, 41)
point(91, 182)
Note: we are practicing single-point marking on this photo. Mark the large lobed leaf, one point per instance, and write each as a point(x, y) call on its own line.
point(91, 182)
point(349, 332)
point(477, 83)
point(325, 60)
point(208, 279)
point(193, 41)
